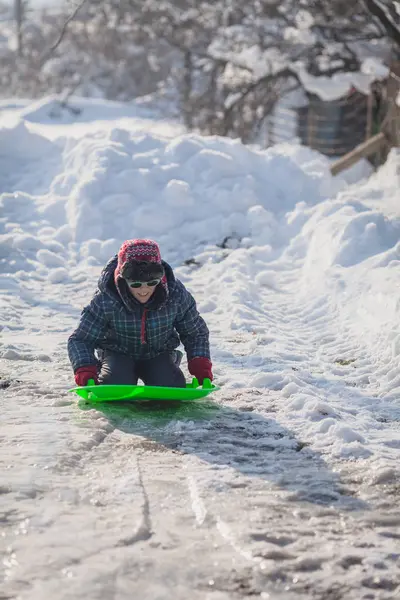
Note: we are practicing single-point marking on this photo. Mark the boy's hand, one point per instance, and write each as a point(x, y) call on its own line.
point(83, 374)
point(200, 367)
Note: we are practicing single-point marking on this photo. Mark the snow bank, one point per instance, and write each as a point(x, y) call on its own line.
point(186, 193)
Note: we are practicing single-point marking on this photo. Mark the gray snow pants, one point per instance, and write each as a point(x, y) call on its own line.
point(117, 369)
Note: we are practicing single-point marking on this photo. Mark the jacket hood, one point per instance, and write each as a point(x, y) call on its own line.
point(117, 287)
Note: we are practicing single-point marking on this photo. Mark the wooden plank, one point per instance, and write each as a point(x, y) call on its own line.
point(363, 150)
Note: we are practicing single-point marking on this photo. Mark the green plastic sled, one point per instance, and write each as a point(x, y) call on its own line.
point(106, 393)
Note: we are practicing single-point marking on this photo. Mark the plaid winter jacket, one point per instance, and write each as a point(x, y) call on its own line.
point(114, 320)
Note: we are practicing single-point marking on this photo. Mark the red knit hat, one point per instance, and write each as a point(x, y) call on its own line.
point(139, 260)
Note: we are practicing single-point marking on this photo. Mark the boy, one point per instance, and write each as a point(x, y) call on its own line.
point(135, 321)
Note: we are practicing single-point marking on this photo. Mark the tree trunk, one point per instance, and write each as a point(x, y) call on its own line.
point(18, 12)
point(187, 90)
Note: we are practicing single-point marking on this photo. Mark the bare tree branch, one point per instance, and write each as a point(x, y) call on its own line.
point(384, 15)
point(263, 81)
point(47, 54)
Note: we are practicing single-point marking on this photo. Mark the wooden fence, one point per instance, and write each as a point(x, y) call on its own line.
point(348, 129)
point(377, 146)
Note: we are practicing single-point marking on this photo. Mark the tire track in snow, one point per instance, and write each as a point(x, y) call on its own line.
point(295, 546)
point(144, 531)
point(201, 515)
point(305, 363)
point(102, 504)
point(54, 514)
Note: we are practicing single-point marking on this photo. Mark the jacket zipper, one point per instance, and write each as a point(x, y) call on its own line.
point(143, 327)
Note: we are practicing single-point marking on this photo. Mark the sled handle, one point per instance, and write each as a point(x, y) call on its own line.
point(207, 385)
point(91, 382)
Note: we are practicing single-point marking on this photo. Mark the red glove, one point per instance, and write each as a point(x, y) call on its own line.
point(83, 374)
point(200, 367)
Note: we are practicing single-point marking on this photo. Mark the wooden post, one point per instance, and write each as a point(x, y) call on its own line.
point(370, 104)
point(392, 121)
point(271, 129)
point(374, 144)
point(310, 125)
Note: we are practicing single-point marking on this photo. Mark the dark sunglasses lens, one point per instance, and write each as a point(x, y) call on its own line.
point(153, 283)
point(135, 284)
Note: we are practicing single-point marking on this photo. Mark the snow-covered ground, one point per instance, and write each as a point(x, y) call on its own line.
point(286, 485)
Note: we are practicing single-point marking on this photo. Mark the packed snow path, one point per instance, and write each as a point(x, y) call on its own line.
point(286, 485)
point(216, 501)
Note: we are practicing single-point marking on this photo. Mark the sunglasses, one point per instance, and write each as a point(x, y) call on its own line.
point(138, 284)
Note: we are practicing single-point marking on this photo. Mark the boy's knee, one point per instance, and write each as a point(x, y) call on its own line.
point(117, 378)
point(117, 370)
point(179, 378)
point(168, 376)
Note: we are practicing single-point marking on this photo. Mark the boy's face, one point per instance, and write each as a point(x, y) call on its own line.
point(143, 293)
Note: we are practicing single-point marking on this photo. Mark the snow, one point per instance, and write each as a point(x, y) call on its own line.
point(286, 485)
point(340, 84)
